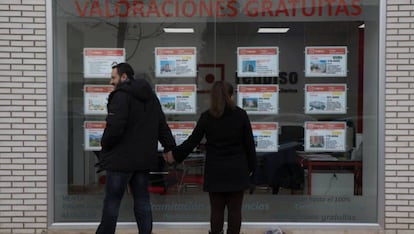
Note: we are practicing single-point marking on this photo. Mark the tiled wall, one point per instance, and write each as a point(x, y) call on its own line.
point(399, 117)
point(23, 116)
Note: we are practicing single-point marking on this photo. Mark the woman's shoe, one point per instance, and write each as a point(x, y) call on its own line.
point(222, 232)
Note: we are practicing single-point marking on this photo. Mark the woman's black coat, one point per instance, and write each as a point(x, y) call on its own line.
point(230, 150)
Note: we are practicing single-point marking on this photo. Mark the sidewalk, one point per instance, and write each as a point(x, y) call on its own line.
point(245, 231)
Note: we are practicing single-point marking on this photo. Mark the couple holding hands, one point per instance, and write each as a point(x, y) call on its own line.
point(135, 123)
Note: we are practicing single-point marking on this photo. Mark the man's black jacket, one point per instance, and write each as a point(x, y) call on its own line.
point(134, 125)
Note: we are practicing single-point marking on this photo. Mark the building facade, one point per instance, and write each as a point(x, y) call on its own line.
point(41, 83)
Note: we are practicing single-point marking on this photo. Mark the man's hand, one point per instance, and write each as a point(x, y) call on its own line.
point(168, 157)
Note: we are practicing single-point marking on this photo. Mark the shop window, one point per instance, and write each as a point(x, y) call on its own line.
point(323, 70)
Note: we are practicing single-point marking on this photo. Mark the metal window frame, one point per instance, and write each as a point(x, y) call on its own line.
point(380, 141)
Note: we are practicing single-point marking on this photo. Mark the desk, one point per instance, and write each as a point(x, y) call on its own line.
point(340, 165)
point(278, 170)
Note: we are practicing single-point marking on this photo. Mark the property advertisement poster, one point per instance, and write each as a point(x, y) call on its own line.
point(98, 62)
point(175, 62)
point(181, 130)
point(325, 99)
point(257, 61)
point(93, 134)
point(325, 136)
point(96, 98)
point(177, 99)
point(265, 136)
point(326, 61)
point(258, 99)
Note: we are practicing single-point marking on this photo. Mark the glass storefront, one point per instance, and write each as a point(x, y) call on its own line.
point(311, 93)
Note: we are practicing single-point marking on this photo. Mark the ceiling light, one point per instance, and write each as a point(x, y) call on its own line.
point(273, 30)
point(361, 26)
point(179, 30)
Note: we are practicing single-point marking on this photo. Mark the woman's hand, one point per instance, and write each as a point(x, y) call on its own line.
point(168, 157)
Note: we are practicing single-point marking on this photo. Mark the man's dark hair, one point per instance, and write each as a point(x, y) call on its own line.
point(124, 68)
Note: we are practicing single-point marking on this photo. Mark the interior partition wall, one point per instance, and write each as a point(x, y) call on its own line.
point(327, 177)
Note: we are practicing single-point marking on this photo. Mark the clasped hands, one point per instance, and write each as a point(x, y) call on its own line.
point(168, 157)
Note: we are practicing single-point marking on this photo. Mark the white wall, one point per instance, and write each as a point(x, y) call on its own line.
point(23, 117)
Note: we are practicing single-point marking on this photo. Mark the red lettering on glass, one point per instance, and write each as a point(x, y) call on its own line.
point(138, 8)
point(220, 8)
point(356, 5)
point(153, 9)
point(281, 8)
point(118, 8)
point(312, 8)
point(320, 8)
point(107, 10)
point(164, 7)
point(81, 12)
point(188, 4)
point(206, 9)
point(294, 4)
point(251, 5)
point(96, 9)
point(232, 7)
point(217, 8)
point(330, 5)
point(267, 6)
point(342, 8)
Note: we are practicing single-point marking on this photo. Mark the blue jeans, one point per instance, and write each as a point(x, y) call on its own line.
point(116, 184)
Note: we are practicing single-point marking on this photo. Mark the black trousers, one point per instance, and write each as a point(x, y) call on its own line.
point(218, 203)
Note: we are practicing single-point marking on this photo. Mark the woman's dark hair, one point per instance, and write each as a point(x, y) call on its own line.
point(124, 68)
point(220, 98)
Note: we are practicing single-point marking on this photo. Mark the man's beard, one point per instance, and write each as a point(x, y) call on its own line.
point(117, 86)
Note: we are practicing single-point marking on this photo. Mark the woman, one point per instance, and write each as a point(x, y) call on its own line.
point(230, 156)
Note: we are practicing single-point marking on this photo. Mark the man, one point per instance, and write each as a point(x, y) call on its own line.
point(134, 125)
